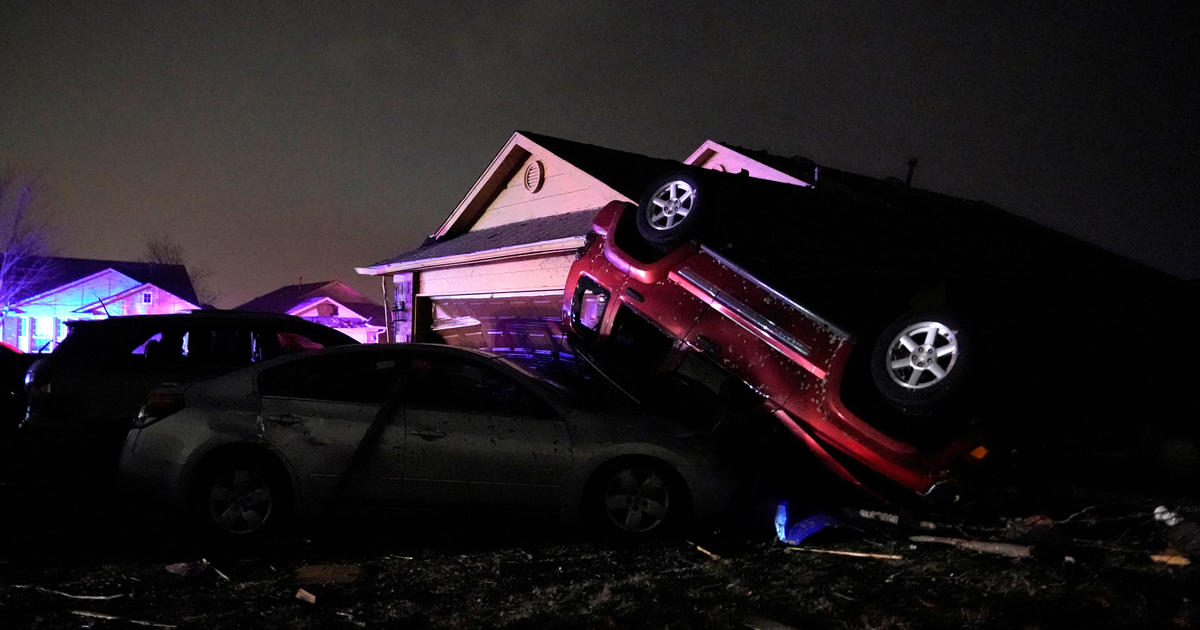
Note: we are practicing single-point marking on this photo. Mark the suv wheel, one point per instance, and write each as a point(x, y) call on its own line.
point(921, 361)
point(671, 210)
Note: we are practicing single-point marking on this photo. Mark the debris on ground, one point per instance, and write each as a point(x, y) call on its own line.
point(851, 554)
point(328, 574)
point(1108, 565)
point(186, 569)
point(982, 546)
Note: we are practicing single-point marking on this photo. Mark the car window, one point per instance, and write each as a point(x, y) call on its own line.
point(354, 378)
point(588, 304)
point(296, 342)
point(156, 346)
point(152, 343)
point(225, 346)
point(578, 382)
point(454, 384)
point(268, 344)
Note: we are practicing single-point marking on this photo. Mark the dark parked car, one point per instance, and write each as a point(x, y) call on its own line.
point(83, 396)
point(13, 365)
point(418, 427)
point(897, 333)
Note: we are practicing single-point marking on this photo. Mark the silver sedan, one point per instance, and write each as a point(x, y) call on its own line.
point(414, 426)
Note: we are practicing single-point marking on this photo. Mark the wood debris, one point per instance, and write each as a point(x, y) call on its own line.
point(137, 622)
point(852, 554)
point(1000, 549)
point(51, 591)
point(328, 574)
point(305, 596)
point(706, 552)
point(1172, 559)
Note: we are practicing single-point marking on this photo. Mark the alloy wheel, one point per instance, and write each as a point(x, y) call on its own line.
point(670, 205)
point(241, 501)
point(922, 355)
point(637, 500)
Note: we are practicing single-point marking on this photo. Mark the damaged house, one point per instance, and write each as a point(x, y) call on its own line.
point(491, 276)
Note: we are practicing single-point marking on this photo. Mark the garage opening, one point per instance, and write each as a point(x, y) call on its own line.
point(525, 328)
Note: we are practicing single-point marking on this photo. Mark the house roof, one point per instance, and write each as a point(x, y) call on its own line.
point(797, 166)
point(627, 173)
point(46, 273)
point(511, 235)
point(286, 298)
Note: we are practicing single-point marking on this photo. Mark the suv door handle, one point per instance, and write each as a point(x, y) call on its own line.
point(428, 435)
point(285, 420)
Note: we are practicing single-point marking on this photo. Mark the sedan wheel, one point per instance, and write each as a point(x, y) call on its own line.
point(637, 500)
point(240, 500)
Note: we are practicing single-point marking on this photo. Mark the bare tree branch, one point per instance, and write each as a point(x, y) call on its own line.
point(164, 250)
point(24, 237)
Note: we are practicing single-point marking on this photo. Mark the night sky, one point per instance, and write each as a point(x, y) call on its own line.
point(273, 142)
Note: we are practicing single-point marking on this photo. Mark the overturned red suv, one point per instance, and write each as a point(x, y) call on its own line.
point(900, 334)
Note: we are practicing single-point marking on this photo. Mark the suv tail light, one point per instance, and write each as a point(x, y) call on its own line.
point(158, 405)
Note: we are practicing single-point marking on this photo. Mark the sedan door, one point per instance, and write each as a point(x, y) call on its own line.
point(481, 435)
point(319, 412)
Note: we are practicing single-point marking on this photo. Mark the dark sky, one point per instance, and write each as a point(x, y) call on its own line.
point(274, 142)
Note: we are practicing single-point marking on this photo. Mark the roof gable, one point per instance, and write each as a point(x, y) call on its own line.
point(758, 164)
point(309, 308)
point(44, 274)
point(287, 298)
point(102, 284)
point(567, 176)
point(100, 305)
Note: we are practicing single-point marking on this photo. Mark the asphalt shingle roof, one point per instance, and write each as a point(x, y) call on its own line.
point(49, 272)
point(283, 299)
point(509, 235)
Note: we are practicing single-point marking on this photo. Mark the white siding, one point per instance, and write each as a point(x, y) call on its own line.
point(565, 189)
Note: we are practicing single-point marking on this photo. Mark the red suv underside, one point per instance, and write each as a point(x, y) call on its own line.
point(793, 358)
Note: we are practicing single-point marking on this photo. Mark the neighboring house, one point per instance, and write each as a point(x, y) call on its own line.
point(330, 303)
point(49, 291)
point(493, 273)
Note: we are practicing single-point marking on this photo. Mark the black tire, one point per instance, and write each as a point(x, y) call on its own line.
point(240, 497)
point(922, 362)
point(671, 210)
point(636, 499)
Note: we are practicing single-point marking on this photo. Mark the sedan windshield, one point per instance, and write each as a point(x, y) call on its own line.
point(579, 382)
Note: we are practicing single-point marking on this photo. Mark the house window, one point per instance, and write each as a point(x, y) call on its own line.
point(41, 331)
point(147, 298)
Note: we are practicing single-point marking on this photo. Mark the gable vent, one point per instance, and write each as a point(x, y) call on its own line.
point(535, 176)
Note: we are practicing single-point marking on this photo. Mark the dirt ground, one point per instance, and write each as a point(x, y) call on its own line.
point(96, 564)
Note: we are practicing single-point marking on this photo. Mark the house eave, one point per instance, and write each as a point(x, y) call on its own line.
point(556, 246)
point(711, 147)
